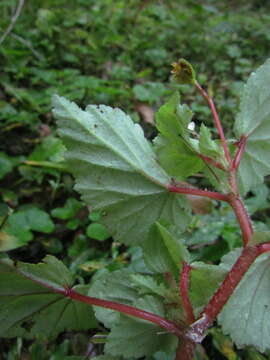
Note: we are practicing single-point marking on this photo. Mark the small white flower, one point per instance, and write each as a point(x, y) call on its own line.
point(191, 126)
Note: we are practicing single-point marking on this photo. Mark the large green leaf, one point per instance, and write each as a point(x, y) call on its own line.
point(137, 338)
point(116, 170)
point(253, 121)
point(246, 316)
point(29, 308)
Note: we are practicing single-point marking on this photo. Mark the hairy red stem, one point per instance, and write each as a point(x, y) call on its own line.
point(216, 121)
point(185, 350)
point(192, 191)
point(239, 153)
point(126, 309)
point(183, 290)
point(242, 217)
point(210, 161)
point(196, 331)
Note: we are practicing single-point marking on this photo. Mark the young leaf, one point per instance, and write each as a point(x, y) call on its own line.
point(246, 315)
point(147, 284)
point(253, 122)
point(69, 210)
point(210, 147)
point(175, 148)
point(24, 301)
point(116, 170)
point(23, 222)
point(162, 251)
point(150, 338)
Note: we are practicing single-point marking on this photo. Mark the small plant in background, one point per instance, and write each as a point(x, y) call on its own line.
point(165, 307)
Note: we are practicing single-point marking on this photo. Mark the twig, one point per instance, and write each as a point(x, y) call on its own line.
point(239, 153)
point(13, 21)
point(216, 120)
point(198, 192)
point(196, 331)
point(183, 290)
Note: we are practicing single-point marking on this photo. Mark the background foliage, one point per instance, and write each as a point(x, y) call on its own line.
point(117, 53)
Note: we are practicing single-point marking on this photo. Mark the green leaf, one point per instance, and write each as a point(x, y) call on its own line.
point(176, 150)
point(6, 164)
point(204, 280)
point(8, 241)
point(151, 337)
point(51, 272)
point(28, 219)
point(51, 149)
point(116, 170)
point(253, 122)
point(147, 284)
point(162, 251)
point(176, 159)
point(24, 301)
point(246, 315)
point(69, 210)
point(113, 286)
point(210, 147)
point(97, 232)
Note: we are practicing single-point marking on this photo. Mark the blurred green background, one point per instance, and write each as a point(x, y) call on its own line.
point(116, 52)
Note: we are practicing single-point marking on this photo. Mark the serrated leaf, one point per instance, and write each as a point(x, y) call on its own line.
point(51, 272)
point(176, 159)
point(162, 251)
point(246, 316)
point(147, 285)
point(175, 148)
point(116, 170)
point(151, 337)
point(113, 286)
point(204, 280)
point(44, 312)
point(253, 122)
point(210, 147)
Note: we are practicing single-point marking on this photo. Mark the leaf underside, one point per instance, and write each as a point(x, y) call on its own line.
point(246, 316)
point(116, 170)
point(253, 121)
point(27, 308)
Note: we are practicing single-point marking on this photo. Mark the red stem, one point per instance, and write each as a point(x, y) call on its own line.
point(242, 217)
point(196, 331)
point(125, 309)
point(216, 121)
point(183, 290)
point(192, 191)
point(185, 350)
point(210, 161)
point(239, 153)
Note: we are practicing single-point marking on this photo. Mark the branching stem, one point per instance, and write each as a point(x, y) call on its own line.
point(125, 309)
point(216, 121)
point(196, 331)
point(192, 191)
